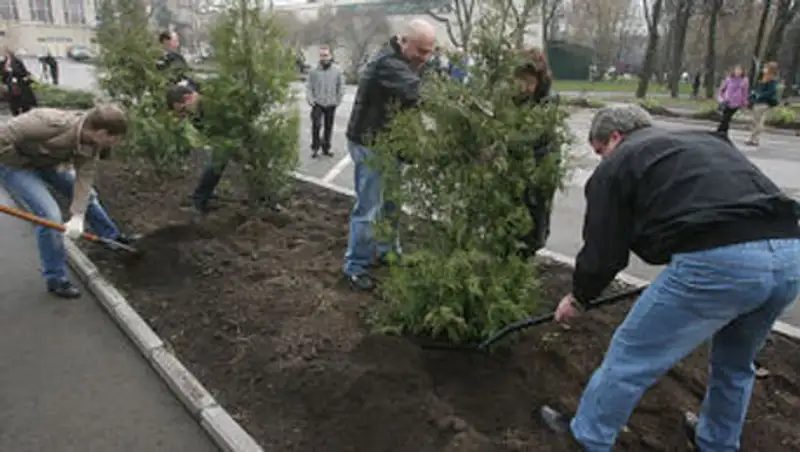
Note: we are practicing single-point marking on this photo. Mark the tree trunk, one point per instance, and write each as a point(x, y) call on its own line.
point(650, 59)
point(784, 15)
point(711, 49)
point(793, 68)
point(682, 23)
point(762, 26)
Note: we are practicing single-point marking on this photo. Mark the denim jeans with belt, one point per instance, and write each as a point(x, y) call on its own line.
point(362, 247)
point(29, 189)
point(730, 295)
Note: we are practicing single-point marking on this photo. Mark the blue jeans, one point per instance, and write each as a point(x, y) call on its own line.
point(29, 189)
point(731, 295)
point(369, 206)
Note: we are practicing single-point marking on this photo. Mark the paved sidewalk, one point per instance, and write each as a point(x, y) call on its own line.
point(69, 379)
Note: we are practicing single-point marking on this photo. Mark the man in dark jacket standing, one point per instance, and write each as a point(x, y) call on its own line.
point(324, 92)
point(731, 245)
point(391, 76)
point(173, 62)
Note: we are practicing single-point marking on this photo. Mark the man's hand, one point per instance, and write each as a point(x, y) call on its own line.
point(74, 227)
point(567, 309)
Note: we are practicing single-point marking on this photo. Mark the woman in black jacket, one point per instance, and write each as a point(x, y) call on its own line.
point(18, 83)
point(536, 83)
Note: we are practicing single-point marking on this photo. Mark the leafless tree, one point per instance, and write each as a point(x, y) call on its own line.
point(549, 13)
point(602, 25)
point(458, 16)
point(712, 9)
point(653, 18)
point(785, 13)
point(360, 33)
point(683, 10)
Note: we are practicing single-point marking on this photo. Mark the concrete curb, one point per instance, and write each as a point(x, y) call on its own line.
point(625, 278)
point(228, 435)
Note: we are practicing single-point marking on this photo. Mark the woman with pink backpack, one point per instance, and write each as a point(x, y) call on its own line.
point(732, 96)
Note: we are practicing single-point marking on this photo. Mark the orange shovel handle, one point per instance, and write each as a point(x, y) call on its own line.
point(42, 222)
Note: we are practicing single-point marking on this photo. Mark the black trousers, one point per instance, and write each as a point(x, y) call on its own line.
point(725, 122)
point(22, 102)
point(322, 117)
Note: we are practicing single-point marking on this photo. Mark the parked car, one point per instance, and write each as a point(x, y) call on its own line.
point(79, 53)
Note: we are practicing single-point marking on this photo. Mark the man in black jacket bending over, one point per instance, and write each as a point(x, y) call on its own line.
point(731, 245)
point(391, 76)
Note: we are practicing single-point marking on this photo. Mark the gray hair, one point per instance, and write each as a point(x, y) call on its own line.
point(622, 119)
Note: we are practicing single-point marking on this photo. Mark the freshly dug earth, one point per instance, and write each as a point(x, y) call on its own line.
point(255, 306)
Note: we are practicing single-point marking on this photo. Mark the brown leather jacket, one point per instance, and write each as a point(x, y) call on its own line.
point(46, 138)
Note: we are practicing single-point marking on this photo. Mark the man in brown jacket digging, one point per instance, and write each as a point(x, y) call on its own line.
point(34, 149)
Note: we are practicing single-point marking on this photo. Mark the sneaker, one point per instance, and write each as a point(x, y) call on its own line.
point(751, 143)
point(63, 288)
point(360, 281)
point(327, 153)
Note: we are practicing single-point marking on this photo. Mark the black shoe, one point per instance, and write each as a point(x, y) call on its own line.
point(555, 420)
point(558, 423)
point(128, 239)
point(361, 281)
point(690, 421)
point(327, 153)
point(62, 288)
point(314, 153)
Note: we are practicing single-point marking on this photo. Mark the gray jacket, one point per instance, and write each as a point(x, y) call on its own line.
point(325, 87)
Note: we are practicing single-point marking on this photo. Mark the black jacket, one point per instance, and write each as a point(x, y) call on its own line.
point(663, 192)
point(386, 79)
point(175, 64)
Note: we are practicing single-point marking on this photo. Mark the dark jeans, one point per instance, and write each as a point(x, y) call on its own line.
point(540, 206)
point(208, 182)
point(725, 122)
point(322, 116)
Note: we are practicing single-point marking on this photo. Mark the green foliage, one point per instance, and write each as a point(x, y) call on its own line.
point(158, 137)
point(55, 97)
point(583, 102)
point(128, 52)
point(245, 106)
point(782, 116)
point(127, 63)
point(473, 159)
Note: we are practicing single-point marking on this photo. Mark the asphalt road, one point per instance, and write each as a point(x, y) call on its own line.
point(777, 156)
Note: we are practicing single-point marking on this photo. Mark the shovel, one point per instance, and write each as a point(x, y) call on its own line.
point(108, 243)
point(530, 322)
point(547, 318)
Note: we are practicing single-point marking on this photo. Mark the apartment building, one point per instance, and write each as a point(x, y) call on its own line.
point(34, 26)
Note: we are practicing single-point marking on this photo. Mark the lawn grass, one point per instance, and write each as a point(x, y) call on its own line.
point(620, 86)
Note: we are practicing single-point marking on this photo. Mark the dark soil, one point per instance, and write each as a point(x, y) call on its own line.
point(255, 307)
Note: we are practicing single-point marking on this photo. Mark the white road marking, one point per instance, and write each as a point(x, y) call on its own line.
point(337, 169)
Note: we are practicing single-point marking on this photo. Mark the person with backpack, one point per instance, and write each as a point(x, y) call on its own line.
point(762, 99)
point(732, 96)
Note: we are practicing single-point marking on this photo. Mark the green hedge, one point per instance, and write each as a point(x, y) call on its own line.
point(53, 96)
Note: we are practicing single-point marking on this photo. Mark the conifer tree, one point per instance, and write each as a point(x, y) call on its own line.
point(459, 276)
point(248, 109)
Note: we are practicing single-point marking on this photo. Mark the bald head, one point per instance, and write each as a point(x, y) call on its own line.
point(418, 41)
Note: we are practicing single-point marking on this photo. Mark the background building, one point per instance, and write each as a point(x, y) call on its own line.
point(35, 26)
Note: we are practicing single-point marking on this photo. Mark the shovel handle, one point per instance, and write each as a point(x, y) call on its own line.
point(42, 222)
point(546, 318)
